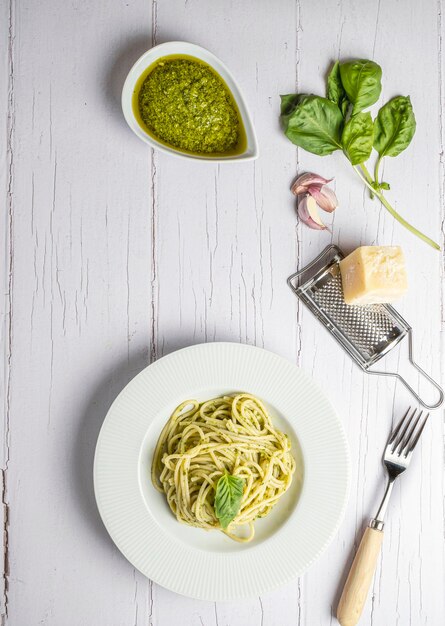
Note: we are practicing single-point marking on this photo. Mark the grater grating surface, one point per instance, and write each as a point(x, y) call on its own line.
point(369, 328)
point(367, 333)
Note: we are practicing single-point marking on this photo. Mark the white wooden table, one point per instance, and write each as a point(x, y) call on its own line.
point(116, 255)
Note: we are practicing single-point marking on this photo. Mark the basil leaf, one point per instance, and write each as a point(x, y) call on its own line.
point(314, 124)
point(357, 138)
point(394, 127)
point(335, 91)
point(361, 80)
point(288, 102)
point(228, 496)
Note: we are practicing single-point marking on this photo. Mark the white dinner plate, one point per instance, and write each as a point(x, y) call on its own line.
point(210, 565)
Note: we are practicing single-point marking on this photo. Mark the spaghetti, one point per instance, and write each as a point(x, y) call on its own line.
point(201, 442)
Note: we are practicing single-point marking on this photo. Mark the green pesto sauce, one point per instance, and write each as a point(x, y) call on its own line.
point(185, 104)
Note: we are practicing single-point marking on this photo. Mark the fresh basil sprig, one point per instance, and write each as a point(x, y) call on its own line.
point(338, 122)
point(228, 496)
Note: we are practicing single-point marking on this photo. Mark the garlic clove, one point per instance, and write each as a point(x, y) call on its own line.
point(303, 182)
point(308, 213)
point(325, 197)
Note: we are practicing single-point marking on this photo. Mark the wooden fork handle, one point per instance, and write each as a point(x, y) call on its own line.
point(359, 579)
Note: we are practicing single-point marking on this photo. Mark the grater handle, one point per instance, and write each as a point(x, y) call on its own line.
point(419, 369)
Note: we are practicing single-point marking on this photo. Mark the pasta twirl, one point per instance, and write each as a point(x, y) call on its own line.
point(203, 441)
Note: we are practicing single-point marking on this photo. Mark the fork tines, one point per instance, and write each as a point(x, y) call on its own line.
point(405, 436)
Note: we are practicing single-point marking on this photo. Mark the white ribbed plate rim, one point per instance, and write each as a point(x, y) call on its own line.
point(241, 572)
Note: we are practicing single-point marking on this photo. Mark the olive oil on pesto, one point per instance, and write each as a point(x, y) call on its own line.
point(182, 102)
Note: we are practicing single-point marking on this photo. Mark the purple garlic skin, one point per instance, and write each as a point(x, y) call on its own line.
point(325, 197)
point(313, 194)
point(303, 182)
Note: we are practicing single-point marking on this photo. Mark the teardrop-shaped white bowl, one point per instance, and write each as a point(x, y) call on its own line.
point(192, 50)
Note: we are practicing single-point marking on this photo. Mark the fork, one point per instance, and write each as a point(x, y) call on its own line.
point(396, 458)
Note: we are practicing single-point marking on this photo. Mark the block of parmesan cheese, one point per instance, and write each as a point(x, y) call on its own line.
point(373, 274)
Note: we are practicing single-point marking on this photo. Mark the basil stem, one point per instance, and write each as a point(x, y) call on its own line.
point(391, 210)
point(376, 170)
point(367, 174)
point(368, 177)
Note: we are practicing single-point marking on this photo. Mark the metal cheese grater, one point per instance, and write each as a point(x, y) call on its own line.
point(368, 332)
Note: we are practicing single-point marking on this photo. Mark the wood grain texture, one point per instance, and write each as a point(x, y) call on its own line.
point(114, 255)
point(359, 579)
point(6, 223)
point(80, 303)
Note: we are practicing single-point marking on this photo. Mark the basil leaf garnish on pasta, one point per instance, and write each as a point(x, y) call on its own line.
point(228, 496)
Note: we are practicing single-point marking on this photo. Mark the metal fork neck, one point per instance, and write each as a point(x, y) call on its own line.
point(377, 522)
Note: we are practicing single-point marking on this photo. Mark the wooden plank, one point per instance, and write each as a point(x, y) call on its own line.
point(401, 593)
point(6, 223)
point(80, 304)
point(226, 233)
